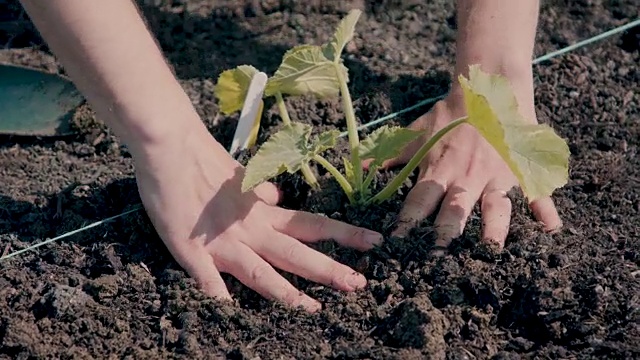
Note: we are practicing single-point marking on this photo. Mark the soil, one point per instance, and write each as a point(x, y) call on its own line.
point(115, 292)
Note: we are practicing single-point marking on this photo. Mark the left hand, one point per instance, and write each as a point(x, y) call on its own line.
point(462, 169)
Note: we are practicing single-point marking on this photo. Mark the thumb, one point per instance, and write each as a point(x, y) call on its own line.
point(269, 193)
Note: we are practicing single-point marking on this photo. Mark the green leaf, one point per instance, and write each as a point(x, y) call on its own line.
point(311, 69)
point(342, 36)
point(231, 89)
point(325, 141)
point(537, 156)
point(348, 171)
point(386, 143)
point(36, 103)
point(305, 70)
point(286, 150)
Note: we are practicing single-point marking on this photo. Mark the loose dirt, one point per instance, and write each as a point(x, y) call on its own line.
point(115, 292)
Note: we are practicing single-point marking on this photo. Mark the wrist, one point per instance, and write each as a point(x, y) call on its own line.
point(516, 68)
point(518, 74)
point(187, 143)
point(163, 133)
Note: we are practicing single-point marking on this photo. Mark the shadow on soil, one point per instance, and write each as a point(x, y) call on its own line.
point(24, 224)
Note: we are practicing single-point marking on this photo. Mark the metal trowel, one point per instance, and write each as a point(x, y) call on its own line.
point(36, 103)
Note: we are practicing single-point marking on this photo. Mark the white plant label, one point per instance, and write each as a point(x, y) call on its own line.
point(246, 130)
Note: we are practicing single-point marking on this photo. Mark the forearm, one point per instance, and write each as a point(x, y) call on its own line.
point(112, 58)
point(498, 35)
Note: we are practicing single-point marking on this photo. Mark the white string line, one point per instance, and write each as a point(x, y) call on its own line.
point(70, 233)
point(364, 126)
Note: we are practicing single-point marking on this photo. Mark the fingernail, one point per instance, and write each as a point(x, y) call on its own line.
point(356, 281)
point(403, 228)
point(399, 233)
point(310, 304)
point(373, 238)
point(553, 229)
point(439, 251)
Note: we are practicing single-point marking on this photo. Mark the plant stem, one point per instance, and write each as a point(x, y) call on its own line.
point(354, 140)
point(344, 183)
point(395, 184)
point(284, 114)
point(309, 177)
point(369, 178)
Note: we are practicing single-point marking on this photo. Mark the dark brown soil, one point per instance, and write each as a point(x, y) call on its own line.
point(115, 292)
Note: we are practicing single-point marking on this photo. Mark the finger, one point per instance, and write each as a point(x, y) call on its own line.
point(254, 272)
point(310, 227)
point(291, 255)
point(545, 211)
point(421, 202)
point(268, 193)
point(455, 210)
point(366, 163)
point(201, 267)
point(401, 159)
point(496, 216)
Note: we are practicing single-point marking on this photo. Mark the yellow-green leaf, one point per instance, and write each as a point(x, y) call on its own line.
point(348, 170)
point(537, 156)
point(343, 34)
point(231, 89)
point(325, 141)
point(386, 143)
point(306, 71)
point(286, 150)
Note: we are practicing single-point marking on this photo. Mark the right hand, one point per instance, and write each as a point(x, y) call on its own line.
point(190, 188)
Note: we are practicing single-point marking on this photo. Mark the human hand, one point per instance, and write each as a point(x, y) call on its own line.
point(191, 191)
point(461, 170)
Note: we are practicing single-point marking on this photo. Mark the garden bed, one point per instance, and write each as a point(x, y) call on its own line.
point(115, 291)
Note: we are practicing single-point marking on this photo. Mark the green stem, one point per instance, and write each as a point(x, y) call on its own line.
point(352, 130)
point(284, 114)
point(395, 184)
point(344, 183)
point(309, 177)
point(370, 175)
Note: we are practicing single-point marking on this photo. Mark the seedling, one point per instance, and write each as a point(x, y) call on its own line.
point(534, 152)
